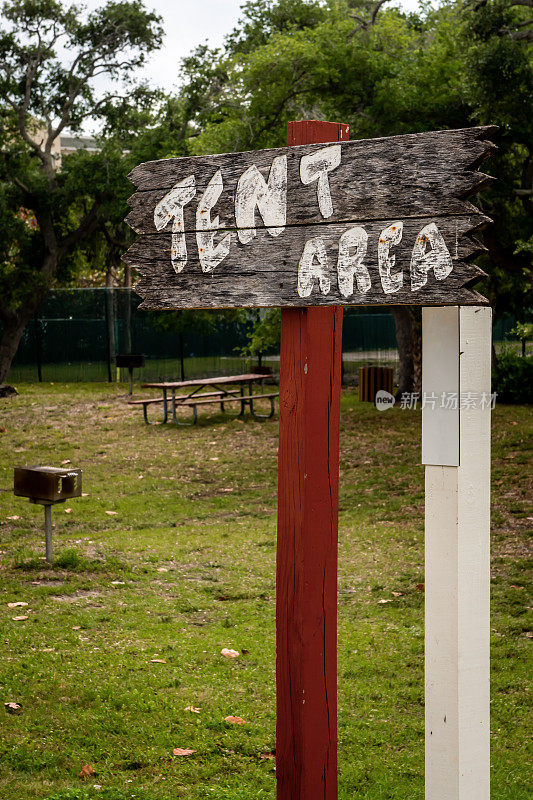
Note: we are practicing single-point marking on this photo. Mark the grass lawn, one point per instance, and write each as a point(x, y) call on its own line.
point(125, 632)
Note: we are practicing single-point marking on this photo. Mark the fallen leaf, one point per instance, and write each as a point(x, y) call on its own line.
point(192, 709)
point(235, 720)
point(66, 461)
point(13, 708)
point(76, 627)
point(419, 587)
point(229, 653)
point(13, 516)
point(118, 583)
point(514, 586)
point(111, 512)
point(20, 619)
point(68, 511)
point(384, 601)
point(157, 661)
point(162, 569)
point(85, 494)
point(397, 594)
point(183, 751)
point(86, 771)
point(215, 458)
point(18, 604)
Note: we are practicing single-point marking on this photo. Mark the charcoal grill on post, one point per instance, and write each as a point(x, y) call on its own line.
point(47, 486)
point(130, 361)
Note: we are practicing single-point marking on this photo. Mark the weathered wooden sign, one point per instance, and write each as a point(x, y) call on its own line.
point(366, 222)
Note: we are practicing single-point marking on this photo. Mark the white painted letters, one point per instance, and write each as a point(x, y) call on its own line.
point(437, 259)
point(270, 199)
point(315, 167)
point(350, 265)
point(313, 266)
point(171, 208)
point(389, 237)
point(209, 255)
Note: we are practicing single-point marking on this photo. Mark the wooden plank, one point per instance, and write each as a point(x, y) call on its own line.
point(396, 176)
point(248, 378)
point(263, 274)
point(440, 386)
point(457, 583)
point(306, 608)
point(252, 229)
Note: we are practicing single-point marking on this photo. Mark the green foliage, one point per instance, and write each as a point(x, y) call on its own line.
point(524, 330)
point(50, 59)
point(512, 377)
point(265, 336)
point(451, 66)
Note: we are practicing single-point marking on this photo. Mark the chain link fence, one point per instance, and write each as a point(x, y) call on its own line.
point(78, 332)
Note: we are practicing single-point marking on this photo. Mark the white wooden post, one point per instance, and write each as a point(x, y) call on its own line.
point(456, 357)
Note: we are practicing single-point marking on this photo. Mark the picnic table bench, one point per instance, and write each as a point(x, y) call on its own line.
point(227, 389)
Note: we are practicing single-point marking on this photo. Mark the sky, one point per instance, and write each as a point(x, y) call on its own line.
point(188, 23)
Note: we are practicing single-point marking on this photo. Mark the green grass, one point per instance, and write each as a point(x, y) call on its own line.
point(186, 566)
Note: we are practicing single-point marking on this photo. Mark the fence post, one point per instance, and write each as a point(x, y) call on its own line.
point(110, 330)
point(38, 346)
point(306, 603)
point(456, 353)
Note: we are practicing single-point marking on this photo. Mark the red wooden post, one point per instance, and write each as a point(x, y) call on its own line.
point(306, 607)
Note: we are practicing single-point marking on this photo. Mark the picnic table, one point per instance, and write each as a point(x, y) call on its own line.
point(226, 389)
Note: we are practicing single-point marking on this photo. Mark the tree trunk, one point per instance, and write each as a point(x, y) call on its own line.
point(402, 321)
point(13, 328)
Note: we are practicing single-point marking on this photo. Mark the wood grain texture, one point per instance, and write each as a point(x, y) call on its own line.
point(398, 176)
point(306, 581)
point(306, 741)
point(258, 274)
point(415, 180)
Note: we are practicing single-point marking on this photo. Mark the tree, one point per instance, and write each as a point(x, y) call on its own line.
point(385, 72)
point(265, 334)
point(46, 213)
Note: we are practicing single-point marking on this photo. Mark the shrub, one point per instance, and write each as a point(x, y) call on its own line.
point(512, 378)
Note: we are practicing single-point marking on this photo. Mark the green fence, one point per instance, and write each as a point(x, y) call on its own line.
point(78, 332)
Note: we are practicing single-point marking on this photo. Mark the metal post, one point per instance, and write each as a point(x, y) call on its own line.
point(110, 330)
point(48, 532)
point(38, 347)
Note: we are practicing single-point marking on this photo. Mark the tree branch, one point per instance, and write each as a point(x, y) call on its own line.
point(365, 24)
point(88, 225)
